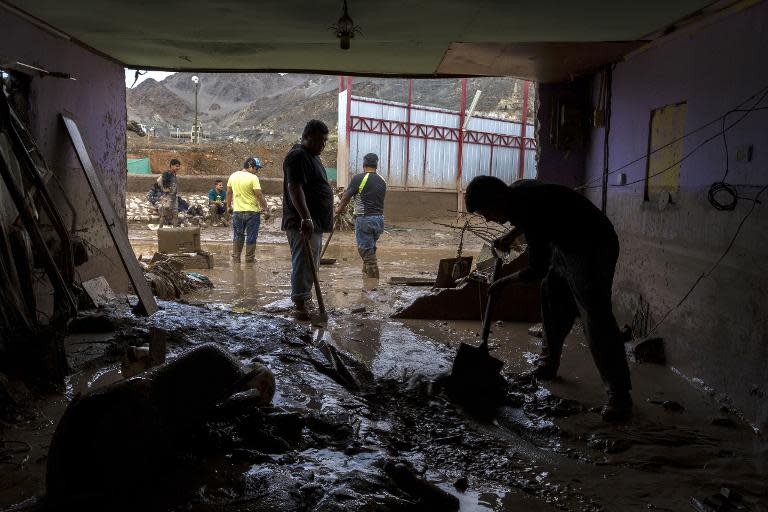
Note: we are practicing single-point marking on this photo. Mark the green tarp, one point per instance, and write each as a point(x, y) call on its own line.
point(138, 166)
point(331, 172)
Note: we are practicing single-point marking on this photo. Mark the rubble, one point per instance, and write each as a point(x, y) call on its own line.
point(141, 423)
point(167, 280)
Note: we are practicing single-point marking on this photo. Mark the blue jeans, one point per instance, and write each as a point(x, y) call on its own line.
point(368, 229)
point(245, 226)
point(301, 269)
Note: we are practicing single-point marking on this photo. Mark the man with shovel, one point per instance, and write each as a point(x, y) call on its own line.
point(573, 248)
point(307, 211)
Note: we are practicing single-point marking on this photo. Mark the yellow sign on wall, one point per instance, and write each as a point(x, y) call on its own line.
point(665, 148)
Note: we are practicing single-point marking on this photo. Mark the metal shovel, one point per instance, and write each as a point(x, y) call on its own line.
point(322, 319)
point(475, 373)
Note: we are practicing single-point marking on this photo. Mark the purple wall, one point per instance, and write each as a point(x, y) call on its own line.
point(720, 334)
point(556, 166)
point(97, 102)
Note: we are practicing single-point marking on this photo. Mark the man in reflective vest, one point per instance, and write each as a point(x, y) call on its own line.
point(369, 190)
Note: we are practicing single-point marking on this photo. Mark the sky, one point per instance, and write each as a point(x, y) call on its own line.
point(130, 75)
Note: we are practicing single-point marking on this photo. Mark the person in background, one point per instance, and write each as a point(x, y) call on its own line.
point(245, 201)
point(307, 211)
point(168, 202)
point(369, 190)
point(217, 203)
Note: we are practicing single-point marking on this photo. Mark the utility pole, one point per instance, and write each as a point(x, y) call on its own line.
point(195, 136)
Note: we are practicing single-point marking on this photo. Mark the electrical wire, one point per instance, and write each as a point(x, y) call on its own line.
point(755, 202)
point(761, 93)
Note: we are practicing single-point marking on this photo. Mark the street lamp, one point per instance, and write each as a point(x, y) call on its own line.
point(195, 128)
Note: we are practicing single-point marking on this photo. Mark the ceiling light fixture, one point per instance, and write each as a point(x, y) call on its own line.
point(345, 29)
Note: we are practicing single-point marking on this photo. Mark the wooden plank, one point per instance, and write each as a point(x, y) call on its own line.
point(411, 281)
point(147, 302)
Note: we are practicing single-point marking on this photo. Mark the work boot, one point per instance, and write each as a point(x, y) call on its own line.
point(237, 248)
point(363, 254)
point(373, 265)
point(250, 253)
point(618, 408)
point(301, 310)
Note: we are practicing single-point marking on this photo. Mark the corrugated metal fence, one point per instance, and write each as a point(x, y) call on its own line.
point(423, 153)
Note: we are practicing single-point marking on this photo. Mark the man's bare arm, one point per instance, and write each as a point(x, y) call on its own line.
point(229, 198)
point(343, 204)
point(261, 199)
point(504, 242)
point(299, 201)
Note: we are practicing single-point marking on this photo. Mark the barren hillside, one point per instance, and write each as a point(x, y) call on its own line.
point(274, 106)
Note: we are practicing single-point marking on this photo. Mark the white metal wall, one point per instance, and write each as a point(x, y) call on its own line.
point(441, 155)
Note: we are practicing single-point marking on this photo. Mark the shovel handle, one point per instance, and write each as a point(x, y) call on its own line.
point(311, 256)
point(489, 305)
point(333, 228)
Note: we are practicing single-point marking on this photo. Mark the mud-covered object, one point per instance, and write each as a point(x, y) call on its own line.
point(123, 440)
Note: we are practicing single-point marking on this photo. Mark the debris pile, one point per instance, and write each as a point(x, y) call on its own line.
point(167, 280)
point(345, 221)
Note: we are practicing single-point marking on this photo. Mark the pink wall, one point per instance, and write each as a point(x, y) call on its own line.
point(97, 101)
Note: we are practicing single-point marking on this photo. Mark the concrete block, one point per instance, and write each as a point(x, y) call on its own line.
point(99, 291)
point(176, 240)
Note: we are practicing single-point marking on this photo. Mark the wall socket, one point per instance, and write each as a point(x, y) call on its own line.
point(744, 153)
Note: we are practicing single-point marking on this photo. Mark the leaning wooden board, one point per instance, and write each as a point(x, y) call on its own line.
point(131, 264)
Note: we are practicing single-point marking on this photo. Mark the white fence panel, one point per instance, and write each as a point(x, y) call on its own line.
point(380, 127)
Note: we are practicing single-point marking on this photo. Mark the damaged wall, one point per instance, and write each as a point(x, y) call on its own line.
point(96, 99)
point(720, 333)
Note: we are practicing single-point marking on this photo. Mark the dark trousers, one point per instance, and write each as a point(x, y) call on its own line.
point(580, 284)
point(245, 226)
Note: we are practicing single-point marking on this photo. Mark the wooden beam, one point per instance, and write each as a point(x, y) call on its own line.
point(147, 302)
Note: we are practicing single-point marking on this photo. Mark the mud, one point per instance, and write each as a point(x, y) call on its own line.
point(357, 422)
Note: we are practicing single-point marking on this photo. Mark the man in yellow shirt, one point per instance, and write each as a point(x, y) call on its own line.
point(245, 201)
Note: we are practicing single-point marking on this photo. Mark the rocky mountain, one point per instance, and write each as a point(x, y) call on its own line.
point(275, 106)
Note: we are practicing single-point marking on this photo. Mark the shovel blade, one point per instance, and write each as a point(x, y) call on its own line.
point(475, 375)
point(320, 320)
point(328, 261)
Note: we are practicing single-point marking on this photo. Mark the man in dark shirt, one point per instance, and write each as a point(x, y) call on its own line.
point(307, 210)
point(573, 248)
point(369, 190)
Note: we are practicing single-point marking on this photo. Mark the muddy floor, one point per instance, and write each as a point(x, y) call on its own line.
point(360, 424)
